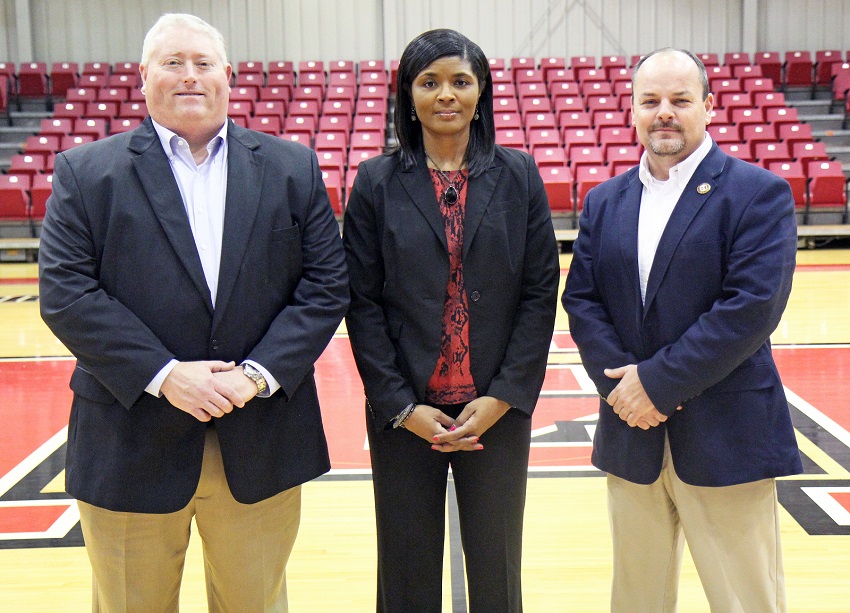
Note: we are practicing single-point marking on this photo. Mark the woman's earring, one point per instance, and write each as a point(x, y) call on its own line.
point(476, 116)
point(412, 113)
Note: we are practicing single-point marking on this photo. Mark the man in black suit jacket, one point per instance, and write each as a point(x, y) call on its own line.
point(196, 271)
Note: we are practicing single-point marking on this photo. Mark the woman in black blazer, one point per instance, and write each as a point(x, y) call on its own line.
point(454, 275)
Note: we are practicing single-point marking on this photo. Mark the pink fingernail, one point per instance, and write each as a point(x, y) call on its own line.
point(452, 429)
point(436, 438)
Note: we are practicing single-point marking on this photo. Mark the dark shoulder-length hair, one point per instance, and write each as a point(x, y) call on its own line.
point(421, 52)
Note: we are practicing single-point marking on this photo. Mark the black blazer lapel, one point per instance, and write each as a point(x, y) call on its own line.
point(478, 197)
point(157, 179)
point(417, 183)
point(699, 189)
point(244, 182)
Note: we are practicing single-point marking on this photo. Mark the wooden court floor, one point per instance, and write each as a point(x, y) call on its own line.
point(567, 554)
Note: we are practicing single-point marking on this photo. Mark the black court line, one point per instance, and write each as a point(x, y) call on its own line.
point(456, 563)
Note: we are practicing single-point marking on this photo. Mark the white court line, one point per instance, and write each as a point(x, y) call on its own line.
point(10, 479)
point(821, 496)
point(818, 417)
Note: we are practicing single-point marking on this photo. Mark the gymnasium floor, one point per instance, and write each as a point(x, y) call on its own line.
point(567, 559)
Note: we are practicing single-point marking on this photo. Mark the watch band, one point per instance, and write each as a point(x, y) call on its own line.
point(257, 377)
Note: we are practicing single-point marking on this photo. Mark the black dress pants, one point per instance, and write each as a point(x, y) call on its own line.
point(410, 480)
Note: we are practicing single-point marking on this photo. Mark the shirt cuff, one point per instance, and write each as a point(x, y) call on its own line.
point(156, 382)
point(271, 382)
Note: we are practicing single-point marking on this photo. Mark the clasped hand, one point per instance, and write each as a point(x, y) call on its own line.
point(207, 389)
point(462, 434)
point(630, 401)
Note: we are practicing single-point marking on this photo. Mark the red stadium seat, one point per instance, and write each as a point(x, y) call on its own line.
point(75, 140)
point(758, 133)
point(827, 185)
point(718, 72)
point(766, 153)
point(504, 90)
point(622, 157)
point(305, 108)
point(342, 79)
point(331, 141)
point(26, 163)
point(96, 128)
point(280, 67)
point(371, 123)
point(771, 65)
point(42, 186)
point(540, 120)
point(575, 119)
point(793, 173)
point(300, 123)
point(738, 150)
point(367, 65)
point(333, 184)
point(579, 136)
point(129, 68)
point(339, 92)
point(41, 144)
point(14, 201)
point(596, 88)
point(270, 108)
point(355, 156)
point(249, 67)
point(97, 68)
point(240, 109)
point(550, 156)
point(531, 106)
point(268, 124)
point(585, 155)
point(709, 59)
point(63, 76)
point(603, 118)
point(824, 60)
point(588, 177)
point(531, 90)
point(510, 137)
point(795, 132)
point(120, 125)
point(366, 140)
point(558, 183)
point(505, 105)
point(32, 79)
point(616, 135)
point(743, 71)
point(335, 124)
point(543, 138)
point(70, 110)
point(781, 115)
point(768, 99)
point(724, 133)
point(113, 94)
point(82, 94)
point(59, 126)
point(736, 59)
point(106, 110)
point(809, 152)
point(798, 69)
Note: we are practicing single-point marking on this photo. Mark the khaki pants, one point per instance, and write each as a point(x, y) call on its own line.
point(137, 558)
point(732, 533)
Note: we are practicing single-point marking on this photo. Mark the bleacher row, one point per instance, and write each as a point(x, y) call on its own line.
point(574, 118)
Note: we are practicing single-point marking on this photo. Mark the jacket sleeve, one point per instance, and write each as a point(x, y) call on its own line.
point(387, 389)
point(520, 376)
point(122, 353)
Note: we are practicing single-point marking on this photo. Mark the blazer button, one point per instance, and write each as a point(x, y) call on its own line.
point(214, 346)
point(475, 296)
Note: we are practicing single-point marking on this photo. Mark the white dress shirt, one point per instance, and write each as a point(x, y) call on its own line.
point(657, 202)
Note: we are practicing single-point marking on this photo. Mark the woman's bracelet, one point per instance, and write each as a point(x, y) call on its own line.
point(399, 420)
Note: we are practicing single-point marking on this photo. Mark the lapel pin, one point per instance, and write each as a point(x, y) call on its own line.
point(703, 188)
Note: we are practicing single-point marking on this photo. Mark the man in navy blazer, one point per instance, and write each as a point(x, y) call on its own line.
point(196, 271)
point(680, 273)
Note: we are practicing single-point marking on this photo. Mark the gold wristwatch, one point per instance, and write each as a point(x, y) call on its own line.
point(256, 376)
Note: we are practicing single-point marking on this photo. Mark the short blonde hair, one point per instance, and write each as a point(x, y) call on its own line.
point(173, 20)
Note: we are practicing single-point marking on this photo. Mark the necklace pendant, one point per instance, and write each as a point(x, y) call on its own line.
point(450, 195)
